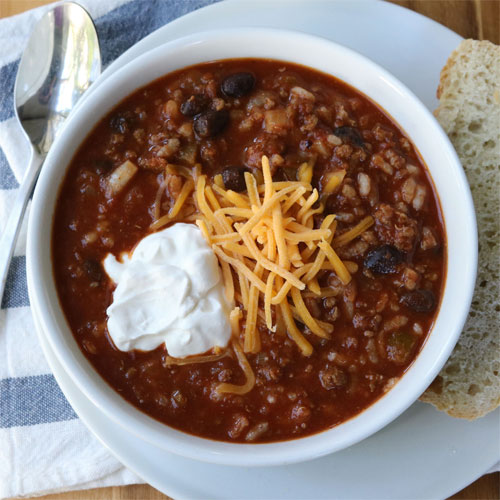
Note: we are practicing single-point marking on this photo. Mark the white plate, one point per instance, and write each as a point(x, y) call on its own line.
point(422, 454)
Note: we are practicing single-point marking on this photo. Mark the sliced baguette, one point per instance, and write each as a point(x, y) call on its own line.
point(469, 111)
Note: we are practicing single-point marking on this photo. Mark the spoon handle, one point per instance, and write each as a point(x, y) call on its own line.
point(11, 231)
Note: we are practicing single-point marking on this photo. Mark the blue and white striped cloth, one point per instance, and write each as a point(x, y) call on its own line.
point(43, 445)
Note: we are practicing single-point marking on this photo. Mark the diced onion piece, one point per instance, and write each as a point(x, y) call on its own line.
point(276, 121)
point(120, 177)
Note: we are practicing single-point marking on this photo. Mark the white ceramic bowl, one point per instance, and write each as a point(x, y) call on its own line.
point(362, 74)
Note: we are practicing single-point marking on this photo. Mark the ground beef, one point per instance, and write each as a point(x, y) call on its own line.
point(395, 227)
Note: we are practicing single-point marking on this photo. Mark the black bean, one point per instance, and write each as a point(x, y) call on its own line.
point(234, 178)
point(123, 122)
point(102, 166)
point(384, 259)
point(238, 84)
point(419, 300)
point(350, 134)
point(194, 105)
point(93, 270)
point(210, 123)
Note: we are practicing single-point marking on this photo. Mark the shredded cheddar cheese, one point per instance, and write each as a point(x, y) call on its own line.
point(266, 237)
point(270, 254)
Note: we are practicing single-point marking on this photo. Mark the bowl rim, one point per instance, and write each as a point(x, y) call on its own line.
point(133, 420)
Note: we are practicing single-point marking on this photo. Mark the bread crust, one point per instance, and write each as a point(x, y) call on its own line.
point(468, 386)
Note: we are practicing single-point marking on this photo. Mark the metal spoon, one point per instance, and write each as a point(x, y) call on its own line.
point(60, 62)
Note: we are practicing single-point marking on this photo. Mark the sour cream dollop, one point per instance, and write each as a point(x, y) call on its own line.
point(170, 290)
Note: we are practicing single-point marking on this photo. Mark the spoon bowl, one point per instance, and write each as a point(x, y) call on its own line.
point(61, 61)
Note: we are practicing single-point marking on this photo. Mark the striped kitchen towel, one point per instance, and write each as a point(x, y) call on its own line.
point(44, 447)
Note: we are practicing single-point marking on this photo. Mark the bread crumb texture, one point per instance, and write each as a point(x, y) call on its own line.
point(468, 386)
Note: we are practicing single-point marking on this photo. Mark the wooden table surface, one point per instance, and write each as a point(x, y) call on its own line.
point(479, 19)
